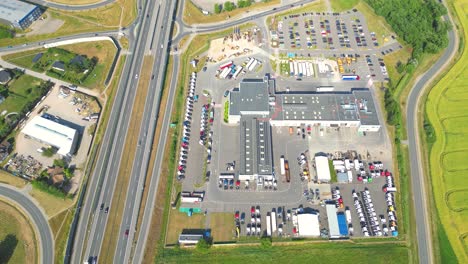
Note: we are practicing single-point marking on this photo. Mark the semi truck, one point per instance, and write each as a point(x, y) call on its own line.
point(348, 216)
point(283, 170)
point(286, 170)
point(296, 70)
point(249, 63)
point(268, 224)
point(225, 73)
point(226, 65)
point(190, 199)
point(273, 222)
point(253, 65)
point(343, 227)
point(237, 72)
point(291, 68)
point(350, 77)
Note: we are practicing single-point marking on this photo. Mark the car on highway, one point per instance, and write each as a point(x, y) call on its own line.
point(102, 207)
point(107, 210)
point(136, 76)
point(126, 233)
point(226, 93)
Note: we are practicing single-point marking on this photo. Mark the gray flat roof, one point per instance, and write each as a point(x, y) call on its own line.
point(355, 106)
point(252, 96)
point(255, 146)
point(366, 108)
point(14, 10)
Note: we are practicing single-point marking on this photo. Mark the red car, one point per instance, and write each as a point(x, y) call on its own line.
point(252, 210)
point(126, 233)
point(236, 215)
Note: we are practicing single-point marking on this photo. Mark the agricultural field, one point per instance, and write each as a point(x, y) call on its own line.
point(17, 237)
point(296, 253)
point(447, 112)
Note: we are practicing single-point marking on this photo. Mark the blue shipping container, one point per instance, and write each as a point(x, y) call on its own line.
point(342, 225)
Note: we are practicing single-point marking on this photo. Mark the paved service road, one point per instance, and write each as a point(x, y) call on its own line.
point(71, 7)
point(46, 248)
point(423, 226)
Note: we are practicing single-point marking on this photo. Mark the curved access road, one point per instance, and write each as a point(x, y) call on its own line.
point(71, 7)
point(423, 226)
point(46, 245)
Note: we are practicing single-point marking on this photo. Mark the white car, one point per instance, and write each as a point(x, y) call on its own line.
point(136, 76)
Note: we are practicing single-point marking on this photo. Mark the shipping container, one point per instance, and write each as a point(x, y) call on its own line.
point(350, 77)
point(343, 226)
point(268, 224)
point(273, 222)
point(252, 67)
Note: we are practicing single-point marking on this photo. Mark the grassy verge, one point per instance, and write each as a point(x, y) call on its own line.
point(122, 12)
point(17, 236)
point(7, 178)
point(296, 253)
point(343, 5)
point(446, 112)
point(60, 225)
point(52, 205)
point(76, 2)
point(156, 219)
point(126, 164)
point(193, 15)
point(180, 221)
point(222, 227)
point(316, 6)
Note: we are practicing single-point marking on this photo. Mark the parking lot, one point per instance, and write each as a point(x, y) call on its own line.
point(337, 36)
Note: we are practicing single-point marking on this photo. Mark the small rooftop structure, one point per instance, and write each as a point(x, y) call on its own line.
point(308, 225)
point(189, 238)
point(59, 66)
point(323, 168)
point(37, 57)
point(342, 177)
point(52, 133)
point(333, 221)
point(5, 76)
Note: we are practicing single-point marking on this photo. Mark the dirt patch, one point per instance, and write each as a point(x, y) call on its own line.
point(16, 229)
point(232, 46)
point(45, 26)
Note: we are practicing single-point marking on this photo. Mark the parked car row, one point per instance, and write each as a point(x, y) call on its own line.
point(366, 213)
point(186, 130)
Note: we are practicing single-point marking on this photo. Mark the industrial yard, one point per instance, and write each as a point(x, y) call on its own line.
point(292, 150)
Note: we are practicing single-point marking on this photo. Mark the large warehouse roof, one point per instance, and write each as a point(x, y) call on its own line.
point(308, 225)
point(255, 146)
point(251, 97)
point(14, 10)
point(52, 133)
point(366, 107)
point(323, 168)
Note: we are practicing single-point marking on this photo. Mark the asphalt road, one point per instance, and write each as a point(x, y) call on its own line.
point(423, 226)
point(108, 163)
point(71, 7)
point(46, 248)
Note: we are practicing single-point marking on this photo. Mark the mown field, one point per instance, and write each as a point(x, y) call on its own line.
point(297, 253)
point(447, 110)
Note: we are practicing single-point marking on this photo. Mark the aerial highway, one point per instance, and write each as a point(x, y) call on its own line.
point(422, 212)
point(39, 220)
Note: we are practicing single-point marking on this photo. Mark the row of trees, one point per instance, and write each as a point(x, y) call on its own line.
point(229, 6)
point(418, 22)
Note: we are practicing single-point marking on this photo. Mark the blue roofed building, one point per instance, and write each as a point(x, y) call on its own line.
point(18, 14)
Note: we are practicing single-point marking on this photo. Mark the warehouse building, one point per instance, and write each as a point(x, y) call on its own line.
point(52, 133)
point(18, 14)
point(333, 221)
point(256, 107)
point(256, 154)
point(323, 169)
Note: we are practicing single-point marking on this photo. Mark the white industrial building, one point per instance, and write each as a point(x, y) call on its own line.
point(52, 133)
point(308, 225)
point(333, 221)
point(323, 169)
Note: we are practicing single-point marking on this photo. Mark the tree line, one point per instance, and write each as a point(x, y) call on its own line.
point(229, 6)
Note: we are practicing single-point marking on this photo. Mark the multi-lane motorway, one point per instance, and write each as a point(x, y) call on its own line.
point(156, 17)
point(39, 220)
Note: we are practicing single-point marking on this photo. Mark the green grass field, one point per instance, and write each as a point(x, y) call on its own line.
point(447, 110)
point(298, 253)
point(343, 5)
point(20, 92)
